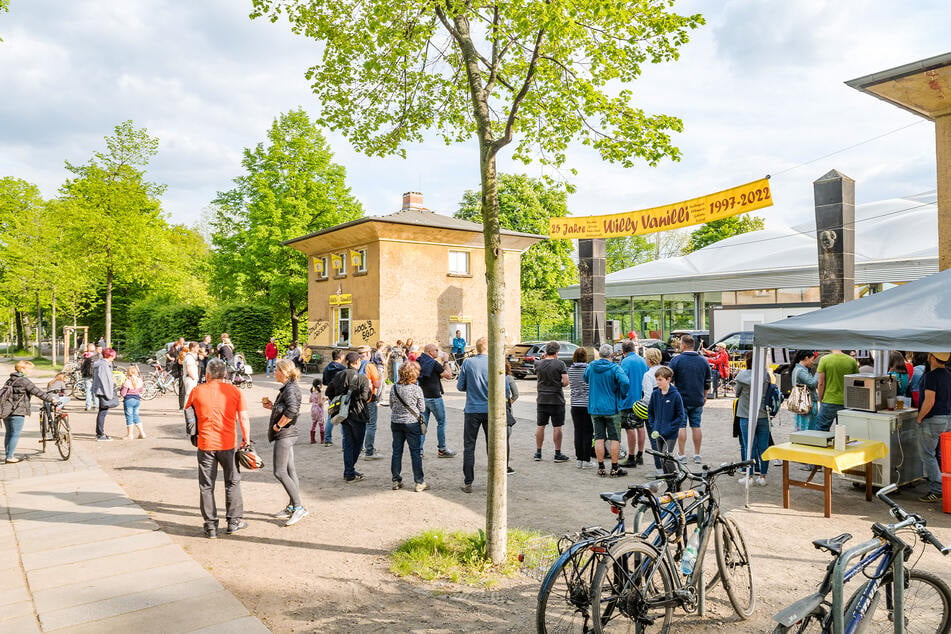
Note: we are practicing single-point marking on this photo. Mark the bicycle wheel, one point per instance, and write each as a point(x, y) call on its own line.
point(564, 599)
point(628, 586)
point(736, 570)
point(149, 390)
point(927, 601)
point(79, 390)
point(64, 440)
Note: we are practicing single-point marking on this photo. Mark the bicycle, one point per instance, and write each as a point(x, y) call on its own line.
point(54, 427)
point(564, 598)
point(641, 579)
point(159, 381)
point(923, 600)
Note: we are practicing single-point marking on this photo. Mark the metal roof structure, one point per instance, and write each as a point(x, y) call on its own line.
point(895, 241)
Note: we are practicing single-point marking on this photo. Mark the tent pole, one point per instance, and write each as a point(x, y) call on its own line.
point(756, 398)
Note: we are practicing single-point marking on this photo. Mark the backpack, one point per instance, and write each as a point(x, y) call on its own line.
point(7, 400)
point(772, 399)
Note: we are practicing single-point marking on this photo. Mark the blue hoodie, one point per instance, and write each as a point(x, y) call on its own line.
point(666, 413)
point(607, 387)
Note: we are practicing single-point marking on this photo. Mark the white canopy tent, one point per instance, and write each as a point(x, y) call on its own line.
point(914, 316)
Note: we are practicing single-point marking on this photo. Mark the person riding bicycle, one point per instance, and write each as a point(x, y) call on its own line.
point(459, 346)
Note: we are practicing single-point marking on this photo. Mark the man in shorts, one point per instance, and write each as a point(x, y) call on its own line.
point(692, 378)
point(607, 388)
point(552, 376)
point(634, 366)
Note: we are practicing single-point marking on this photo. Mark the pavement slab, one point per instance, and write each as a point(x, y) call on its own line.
point(77, 555)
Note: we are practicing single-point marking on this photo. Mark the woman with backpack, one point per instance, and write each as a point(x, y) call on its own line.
point(354, 428)
point(16, 400)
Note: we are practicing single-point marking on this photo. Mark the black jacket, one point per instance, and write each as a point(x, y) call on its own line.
point(286, 404)
point(23, 388)
point(331, 371)
point(359, 386)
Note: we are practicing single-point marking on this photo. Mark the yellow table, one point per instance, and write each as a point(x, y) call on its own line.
point(857, 452)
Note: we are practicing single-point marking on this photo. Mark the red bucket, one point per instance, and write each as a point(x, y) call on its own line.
point(946, 492)
point(945, 441)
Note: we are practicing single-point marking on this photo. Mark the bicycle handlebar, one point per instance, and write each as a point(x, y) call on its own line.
point(910, 519)
point(707, 473)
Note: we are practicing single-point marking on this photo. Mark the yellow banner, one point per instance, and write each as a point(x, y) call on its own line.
point(337, 261)
point(319, 266)
point(696, 211)
point(341, 300)
point(356, 257)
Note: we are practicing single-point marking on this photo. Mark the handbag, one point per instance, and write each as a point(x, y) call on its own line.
point(800, 400)
point(108, 403)
point(339, 408)
point(419, 417)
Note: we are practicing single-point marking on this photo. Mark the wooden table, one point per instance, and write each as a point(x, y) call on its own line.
point(857, 453)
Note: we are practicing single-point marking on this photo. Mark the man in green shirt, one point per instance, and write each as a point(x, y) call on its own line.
point(831, 373)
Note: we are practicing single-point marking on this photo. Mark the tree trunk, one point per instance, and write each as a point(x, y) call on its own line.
point(39, 327)
point(496, 503)
point(21, 335)
point(53, 337)
point(108, 308)
point(295, 320)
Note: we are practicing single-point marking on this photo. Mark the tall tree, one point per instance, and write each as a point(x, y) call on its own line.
point(526, 204)
point(291, 187)
point(536, 73)
point(722, 229)
point(114, 213)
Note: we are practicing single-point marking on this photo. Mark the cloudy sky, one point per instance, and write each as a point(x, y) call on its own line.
point(759, 88)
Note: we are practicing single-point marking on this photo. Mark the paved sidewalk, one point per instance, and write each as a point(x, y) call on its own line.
point(77, 555)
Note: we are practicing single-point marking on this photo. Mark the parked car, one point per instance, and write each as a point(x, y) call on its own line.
point(642, 345)
point(700, 337)
point(737, 343)
point(522, 356)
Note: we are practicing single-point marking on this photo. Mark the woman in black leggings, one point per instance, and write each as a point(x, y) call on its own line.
point(282, 431)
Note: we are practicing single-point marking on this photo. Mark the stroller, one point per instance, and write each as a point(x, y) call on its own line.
point(240, 372)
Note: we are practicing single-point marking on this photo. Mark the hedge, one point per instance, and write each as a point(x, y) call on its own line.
point(249, 326)
point(155, 321)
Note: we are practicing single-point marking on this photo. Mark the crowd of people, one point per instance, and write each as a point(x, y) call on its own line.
point(636, 401)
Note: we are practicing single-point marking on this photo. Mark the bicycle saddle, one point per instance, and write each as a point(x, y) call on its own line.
point(833, 545)
point(615, 498)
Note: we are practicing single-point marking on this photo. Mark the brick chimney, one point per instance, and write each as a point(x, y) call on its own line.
point(413, 200)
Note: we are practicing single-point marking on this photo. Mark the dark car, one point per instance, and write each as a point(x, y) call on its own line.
point(700, 337)
point(641, 345)
point(737, 343)
point(522, 356)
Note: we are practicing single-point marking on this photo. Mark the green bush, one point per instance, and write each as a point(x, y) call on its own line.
point(155, 321)
point(249, 326)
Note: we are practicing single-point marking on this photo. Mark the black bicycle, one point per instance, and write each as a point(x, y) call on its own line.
point(564, 598)
point(54, 428)
point(644, 576)
point(921, 604)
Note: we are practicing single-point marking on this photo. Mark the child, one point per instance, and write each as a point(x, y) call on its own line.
point(58, 385)
point(131, 393)
point(318, 413)
point(666, 414)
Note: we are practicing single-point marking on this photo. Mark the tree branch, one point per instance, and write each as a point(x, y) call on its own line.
point(522, 93)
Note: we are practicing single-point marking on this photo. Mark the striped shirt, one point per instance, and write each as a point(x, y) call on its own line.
point(577, 385)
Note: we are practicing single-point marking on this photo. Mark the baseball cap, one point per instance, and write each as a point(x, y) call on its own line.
point(362, 349)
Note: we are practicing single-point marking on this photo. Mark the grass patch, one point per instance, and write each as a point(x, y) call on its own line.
point(460, 557)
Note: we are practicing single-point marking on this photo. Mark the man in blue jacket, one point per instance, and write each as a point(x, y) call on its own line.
point(634, 367)
point(607, 388)
point(692, 378)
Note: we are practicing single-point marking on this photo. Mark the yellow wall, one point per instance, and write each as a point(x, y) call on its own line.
point(408, 292)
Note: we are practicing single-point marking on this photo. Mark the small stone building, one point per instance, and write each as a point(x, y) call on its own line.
point(412, 274)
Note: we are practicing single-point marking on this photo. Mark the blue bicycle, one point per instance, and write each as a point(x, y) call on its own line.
point(921, 604)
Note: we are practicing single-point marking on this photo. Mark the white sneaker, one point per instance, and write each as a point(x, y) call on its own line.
point(777, 463)
point(682, 457)
point(697, 459)
point(299, 513)
point(587, 464)
point(581, 464)
point(743, 480)
point(761, 481)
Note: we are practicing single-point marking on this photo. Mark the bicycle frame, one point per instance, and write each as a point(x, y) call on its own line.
point(840, 575)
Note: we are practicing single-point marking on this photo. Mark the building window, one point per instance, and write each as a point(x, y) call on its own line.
point(342, 326)
point(358, 258)
point(320, 267)
point(339, 261)
point(459, 263)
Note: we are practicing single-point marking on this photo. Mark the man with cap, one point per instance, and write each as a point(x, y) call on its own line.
point(934, 418)
point(369, 369)
point(719, 360)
